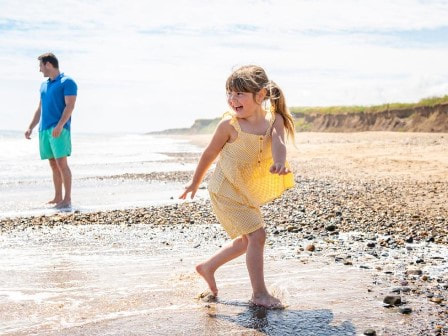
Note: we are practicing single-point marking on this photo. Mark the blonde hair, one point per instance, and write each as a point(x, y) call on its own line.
point(252, 78)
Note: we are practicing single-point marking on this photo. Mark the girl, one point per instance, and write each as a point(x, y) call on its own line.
point(251, 171)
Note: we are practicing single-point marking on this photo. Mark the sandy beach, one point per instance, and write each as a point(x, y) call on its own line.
point(358, 246)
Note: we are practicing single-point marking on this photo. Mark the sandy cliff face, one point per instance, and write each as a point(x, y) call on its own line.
point(419, 119)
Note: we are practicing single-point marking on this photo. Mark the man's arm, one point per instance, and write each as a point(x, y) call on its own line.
point(69, 107)
point(34, 122)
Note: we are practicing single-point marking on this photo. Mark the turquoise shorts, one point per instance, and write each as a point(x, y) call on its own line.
point(54, 148)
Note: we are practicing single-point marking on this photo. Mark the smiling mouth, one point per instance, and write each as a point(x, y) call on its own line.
point(238, 108)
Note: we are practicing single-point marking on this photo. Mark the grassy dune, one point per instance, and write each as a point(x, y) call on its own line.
point(429, 102)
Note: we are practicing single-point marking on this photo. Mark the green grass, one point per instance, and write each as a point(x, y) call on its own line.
point(431, 101)
point(302, 125)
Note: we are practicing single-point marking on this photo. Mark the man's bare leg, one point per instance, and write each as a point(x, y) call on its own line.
point(57, 182)
point(66, 175)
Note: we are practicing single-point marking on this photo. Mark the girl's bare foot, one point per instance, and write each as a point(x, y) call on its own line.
point(209, 277)
point(267, 301)
point(55, 201)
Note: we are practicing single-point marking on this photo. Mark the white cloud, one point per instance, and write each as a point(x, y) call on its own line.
point(147, 65)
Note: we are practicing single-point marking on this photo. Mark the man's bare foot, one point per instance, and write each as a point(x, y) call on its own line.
point(267, 301)
point(63, 205)
point(55, 201)
point(208, 276)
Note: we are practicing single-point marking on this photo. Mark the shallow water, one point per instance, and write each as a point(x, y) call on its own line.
point(26, 184)
point(92, 195)
point(139, 280)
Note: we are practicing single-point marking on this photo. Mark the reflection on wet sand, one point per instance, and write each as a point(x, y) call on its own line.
point(289, 322)
point(139, 280)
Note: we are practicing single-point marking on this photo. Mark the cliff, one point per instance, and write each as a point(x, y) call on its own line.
point(416, 119)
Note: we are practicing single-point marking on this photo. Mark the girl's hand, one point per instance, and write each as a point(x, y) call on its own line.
point(190, 188)
point(279, 168)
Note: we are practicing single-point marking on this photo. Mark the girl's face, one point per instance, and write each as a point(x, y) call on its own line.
point(242, 103)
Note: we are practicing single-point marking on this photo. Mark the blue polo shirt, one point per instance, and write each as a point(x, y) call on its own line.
point(52, 97)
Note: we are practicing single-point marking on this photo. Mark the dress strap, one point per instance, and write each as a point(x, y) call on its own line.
point(233, 120)
point(271, 124)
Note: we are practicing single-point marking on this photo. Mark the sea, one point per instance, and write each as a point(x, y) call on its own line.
point(26, 181)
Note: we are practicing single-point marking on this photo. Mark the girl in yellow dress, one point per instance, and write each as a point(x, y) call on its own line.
point(251, 171)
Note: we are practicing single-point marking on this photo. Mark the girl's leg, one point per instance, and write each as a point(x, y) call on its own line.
point(232, 250)
point(254, 262)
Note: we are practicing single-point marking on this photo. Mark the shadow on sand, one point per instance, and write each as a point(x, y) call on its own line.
point(287, 322)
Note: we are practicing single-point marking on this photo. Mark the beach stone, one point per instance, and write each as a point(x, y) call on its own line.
point(405, 310)
point(409, 240)
point(310, 248)
point(369, 332)
point(293, 229)
point(414, 272)
point(436, 300)
point(393, 300)
point(331, 228)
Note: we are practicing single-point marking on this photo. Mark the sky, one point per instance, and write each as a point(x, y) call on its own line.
point(144, 66)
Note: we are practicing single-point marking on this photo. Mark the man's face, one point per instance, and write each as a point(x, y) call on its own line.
point(44, 68)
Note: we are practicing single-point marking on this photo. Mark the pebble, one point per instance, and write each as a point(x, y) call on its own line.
point(310, 248)
point(414, 272)
point(405, 310)
point(436, 299)
point(393, 300)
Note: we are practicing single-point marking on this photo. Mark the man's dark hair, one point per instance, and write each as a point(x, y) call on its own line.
point(49, 57)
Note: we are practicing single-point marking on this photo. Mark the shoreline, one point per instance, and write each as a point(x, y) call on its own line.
point(375, 201)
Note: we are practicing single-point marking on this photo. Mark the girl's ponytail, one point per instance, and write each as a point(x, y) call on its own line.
point(278, 105)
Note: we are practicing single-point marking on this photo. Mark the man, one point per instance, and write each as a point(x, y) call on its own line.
point(57, 101)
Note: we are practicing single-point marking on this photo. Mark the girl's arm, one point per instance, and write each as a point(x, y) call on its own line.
point(219, 139)
point(279, 147)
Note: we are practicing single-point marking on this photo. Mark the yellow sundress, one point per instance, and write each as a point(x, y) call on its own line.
point(241, 182)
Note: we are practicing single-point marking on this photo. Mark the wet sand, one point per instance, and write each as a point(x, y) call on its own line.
point(139, 280)
point(367, 218)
